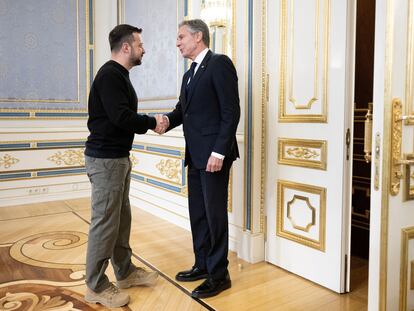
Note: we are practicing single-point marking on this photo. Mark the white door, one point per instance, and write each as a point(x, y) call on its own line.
point(391, 270)
point(308, 158)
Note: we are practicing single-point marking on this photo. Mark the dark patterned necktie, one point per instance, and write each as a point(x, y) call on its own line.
point(191, 74)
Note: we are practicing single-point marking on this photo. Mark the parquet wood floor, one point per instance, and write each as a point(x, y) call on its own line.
point(42, 258)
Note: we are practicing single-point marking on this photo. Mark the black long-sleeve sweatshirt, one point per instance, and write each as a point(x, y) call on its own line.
point(113, 117)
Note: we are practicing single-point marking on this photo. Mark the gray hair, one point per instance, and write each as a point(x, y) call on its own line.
point(197, 25)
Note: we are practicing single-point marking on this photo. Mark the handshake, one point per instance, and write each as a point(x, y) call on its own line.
point(162, 123)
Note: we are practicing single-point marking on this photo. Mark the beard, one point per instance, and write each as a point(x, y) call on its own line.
point(135, 60)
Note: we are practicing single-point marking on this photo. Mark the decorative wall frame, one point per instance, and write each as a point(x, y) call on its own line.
point(303, 152)
point(408, 179)
point(157, 80)
point(43, 158)
point(160, 166)
point(314, 68)
point(52, 81)
point(301, 213)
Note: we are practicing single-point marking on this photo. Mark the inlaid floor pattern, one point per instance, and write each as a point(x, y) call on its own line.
point(42, 264)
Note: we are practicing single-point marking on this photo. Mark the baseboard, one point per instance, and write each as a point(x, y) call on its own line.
point(250, 246)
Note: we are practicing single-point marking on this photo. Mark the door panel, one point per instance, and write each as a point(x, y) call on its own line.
point(391, 273)
point(307, 179)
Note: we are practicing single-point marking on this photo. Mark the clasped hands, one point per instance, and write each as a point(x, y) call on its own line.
point(214, 164)
point(162, 123)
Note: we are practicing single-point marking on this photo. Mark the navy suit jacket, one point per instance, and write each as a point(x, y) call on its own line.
point(209, 111)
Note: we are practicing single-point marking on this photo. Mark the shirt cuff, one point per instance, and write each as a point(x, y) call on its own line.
point(217, 155)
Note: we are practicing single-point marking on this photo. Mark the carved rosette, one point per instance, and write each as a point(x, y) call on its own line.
point(171, 169)
point(68, 157)
point(8, 161)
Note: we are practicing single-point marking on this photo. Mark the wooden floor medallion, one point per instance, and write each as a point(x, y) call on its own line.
point(46, 255)
point(24, 297)
point(36, 269)
point(42, 268)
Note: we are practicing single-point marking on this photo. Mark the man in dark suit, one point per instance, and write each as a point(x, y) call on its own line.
point(209, 110)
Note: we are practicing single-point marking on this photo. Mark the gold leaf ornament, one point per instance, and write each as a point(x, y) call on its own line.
point(170, 168)
point(68, 157)
point(302, 153)
point(7, 161)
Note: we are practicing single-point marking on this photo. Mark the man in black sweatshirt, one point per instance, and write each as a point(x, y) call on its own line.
point(113, 121)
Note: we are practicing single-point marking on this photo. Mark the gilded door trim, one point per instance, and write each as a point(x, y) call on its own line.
point(386, 160)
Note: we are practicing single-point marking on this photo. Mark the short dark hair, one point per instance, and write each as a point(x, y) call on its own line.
point(120, 34)
point(197, 25)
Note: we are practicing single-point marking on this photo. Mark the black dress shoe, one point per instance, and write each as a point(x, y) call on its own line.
point(193, 274)
point(210, 287)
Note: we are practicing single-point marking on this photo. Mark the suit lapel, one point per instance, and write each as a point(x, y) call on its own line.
point(196, 77)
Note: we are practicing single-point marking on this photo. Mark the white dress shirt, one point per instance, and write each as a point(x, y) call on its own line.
point(199, 59)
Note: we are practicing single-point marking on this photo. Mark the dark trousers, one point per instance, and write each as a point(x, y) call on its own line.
point(207, 200)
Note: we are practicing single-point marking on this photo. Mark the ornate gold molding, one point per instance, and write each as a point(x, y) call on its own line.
point(291, 52)
point(303, 152)
point(287, 64)
point(409, 180)
point(133, 159)
point(412, 275)
point(59, 114)
point(304, 239)
point(8, 161)
point(264, 101)
point(171, 169)
point(177, 183)
point(407, 235)
point(68, 157)
point(396, 138)
point(78, 70)
point(312, 209)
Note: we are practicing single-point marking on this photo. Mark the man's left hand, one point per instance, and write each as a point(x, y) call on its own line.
point(214, 164)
